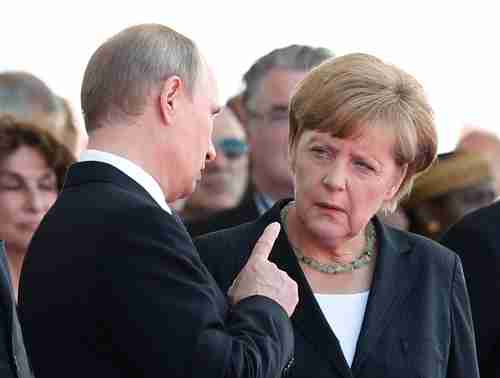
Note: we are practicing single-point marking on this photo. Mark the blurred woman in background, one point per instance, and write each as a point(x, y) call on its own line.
point(32, 169)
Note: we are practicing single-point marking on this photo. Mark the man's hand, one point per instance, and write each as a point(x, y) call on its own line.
point(259, 276)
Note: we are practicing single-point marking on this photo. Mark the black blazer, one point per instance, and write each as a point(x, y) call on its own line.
point(476, 239)
point(246, 211)
point(417, 321)
point(112, 286)
point(13, 359)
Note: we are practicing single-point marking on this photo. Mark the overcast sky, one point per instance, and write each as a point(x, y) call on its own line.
point(451, 47)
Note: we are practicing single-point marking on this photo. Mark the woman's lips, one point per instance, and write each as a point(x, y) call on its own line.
point(330, 207)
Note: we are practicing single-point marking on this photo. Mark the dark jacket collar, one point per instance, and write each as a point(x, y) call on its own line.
point(392, 282)
point(97, 172)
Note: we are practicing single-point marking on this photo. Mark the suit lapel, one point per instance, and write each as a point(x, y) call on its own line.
point(392, 283)
point(308, 319)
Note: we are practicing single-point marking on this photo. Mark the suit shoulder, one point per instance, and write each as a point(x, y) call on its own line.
point(222, 220)
point(237, 237)
point(428, 249)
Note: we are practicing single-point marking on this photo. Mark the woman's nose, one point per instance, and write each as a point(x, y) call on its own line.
point(335, 178)
point(36, 201)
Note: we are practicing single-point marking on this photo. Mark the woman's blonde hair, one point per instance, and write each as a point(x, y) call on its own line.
point(346, 94)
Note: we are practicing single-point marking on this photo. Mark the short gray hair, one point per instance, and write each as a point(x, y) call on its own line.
point(127, 67)
point(24, 96)
point(293, 57)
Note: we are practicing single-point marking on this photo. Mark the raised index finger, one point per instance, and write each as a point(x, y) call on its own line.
point(265, 243)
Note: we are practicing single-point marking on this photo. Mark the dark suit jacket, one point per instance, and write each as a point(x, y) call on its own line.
point(113, 286)
point(476, 239)
point(417, 321)
point(13, 359)
point(246, 211)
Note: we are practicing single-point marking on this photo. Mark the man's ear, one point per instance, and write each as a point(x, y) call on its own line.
point(170, 95)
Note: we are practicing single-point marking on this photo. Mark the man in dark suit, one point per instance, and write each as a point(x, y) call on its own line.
point(112, 285)
point(13, 359)
point(269, 84)
point(477, 241)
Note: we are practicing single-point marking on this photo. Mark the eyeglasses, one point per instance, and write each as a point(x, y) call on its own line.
point(232, 148)
point(276, 117)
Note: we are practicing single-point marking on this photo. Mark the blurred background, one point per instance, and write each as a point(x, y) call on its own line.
point(449, 46)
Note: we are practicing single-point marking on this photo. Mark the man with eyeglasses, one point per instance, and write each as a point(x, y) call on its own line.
point(225, 179)
point(269, 85)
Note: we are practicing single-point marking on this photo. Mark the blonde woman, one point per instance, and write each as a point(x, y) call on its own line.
point(374, 301)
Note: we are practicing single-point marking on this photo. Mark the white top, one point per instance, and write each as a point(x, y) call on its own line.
point(345, 313)
point(132, 170)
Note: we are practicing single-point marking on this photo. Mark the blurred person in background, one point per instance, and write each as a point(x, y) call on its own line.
point(13, 358)
point(226, 178)
point(486, 144)
point(33, 165)
point(455, 185)
point(476, 239)
point(264, 103)
point(235, 103)
point(374, 301)
point(28, 99)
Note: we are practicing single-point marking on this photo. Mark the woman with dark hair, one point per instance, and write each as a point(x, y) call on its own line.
point(32, 169)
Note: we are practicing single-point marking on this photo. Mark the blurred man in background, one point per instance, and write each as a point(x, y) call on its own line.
point(225, 179)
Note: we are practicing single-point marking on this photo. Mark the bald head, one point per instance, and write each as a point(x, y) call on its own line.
point(131, 65)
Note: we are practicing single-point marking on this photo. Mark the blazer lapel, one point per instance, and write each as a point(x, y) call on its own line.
point(392, 283)
point(308, 318)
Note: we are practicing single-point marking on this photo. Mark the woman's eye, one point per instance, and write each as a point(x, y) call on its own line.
point(364, 165)
point(49, 185)
point(10, 185)
point(320, 151)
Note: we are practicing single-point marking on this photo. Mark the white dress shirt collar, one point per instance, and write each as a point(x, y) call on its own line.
point(132, 170)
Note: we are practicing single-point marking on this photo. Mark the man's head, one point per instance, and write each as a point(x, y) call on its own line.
point(225, 179)
point(269, 85)
point(27, 99)
point(148, 95)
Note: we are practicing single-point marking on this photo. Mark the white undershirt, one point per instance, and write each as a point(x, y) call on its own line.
point(132, 170)
point(345, 313)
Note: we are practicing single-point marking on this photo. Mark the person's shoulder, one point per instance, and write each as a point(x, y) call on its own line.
point(423, 248)
point(245, 212)
point(243, 234)
point(485, 219)
point(476, 232)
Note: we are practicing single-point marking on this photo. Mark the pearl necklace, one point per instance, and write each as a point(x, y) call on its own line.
point(334, 268)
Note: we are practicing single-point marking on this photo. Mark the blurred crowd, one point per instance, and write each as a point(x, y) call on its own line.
point(40, 138)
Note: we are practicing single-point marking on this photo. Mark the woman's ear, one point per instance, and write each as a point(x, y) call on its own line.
point(292, 158)
point(398, 179)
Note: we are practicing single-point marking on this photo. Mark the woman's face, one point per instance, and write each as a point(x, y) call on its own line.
point(28, 187)
point(341, 183)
